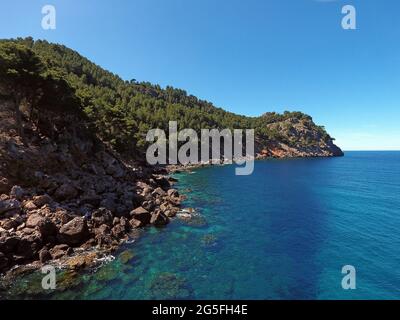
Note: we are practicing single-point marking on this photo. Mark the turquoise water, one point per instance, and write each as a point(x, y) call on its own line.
point(284, 232)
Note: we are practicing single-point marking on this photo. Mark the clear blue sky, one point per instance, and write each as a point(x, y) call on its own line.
point(248, 57)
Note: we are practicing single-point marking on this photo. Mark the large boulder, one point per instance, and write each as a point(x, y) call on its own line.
point(74, 232)
point(34, 220)
point(159, 219)
point(135, 223)
point(47, 228)
point(141, 214)
point(174, 197)
point(163, 182)
point(173, 193)
point(40, 201)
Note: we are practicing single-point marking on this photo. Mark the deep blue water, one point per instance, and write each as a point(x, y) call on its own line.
point(284, 232)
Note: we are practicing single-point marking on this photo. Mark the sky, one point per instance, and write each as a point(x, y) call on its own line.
point(248, 57)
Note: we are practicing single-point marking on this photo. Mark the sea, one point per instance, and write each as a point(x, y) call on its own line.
point(291, 230)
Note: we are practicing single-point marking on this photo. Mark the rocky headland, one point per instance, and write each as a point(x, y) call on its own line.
point(74, 183)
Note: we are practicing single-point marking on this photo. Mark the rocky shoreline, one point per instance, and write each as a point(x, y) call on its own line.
point(37, 229)
point(70, 201)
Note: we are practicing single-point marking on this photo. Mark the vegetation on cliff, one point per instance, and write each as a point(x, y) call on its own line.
point(52, 76)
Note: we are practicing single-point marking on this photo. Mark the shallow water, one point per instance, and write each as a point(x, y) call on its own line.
point(284, 232)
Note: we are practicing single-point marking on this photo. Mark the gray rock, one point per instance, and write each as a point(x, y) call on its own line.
point(17, 192)
point(10, 205)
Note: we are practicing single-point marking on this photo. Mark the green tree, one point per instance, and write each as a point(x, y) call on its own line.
point(20, 75)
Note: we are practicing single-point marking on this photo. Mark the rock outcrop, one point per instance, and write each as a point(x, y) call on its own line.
point(66, 194)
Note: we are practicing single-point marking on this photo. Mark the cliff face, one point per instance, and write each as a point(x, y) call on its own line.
point(65, 193)
point(297, 138)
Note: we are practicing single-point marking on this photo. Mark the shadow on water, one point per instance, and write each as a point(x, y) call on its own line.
point(297, 218)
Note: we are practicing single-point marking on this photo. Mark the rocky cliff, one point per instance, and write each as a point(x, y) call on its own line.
point(296, 138)
point(64, 195)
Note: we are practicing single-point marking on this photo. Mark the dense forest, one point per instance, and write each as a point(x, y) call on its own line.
point(40, 75)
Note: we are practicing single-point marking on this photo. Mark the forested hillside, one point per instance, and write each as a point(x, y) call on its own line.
point(54, 77)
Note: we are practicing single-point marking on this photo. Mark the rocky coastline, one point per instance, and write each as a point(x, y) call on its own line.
point(70, 201)
point(67, 224)
point(74, 184)
point(73, 219)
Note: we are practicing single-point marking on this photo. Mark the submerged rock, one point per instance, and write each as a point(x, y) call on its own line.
point(194, 220)
point(169, 286)
point(68, 279)
point(209, 240)
point(126, 256)
point(82, 261)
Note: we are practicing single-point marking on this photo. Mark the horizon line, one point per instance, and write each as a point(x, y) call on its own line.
point(376, 150)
